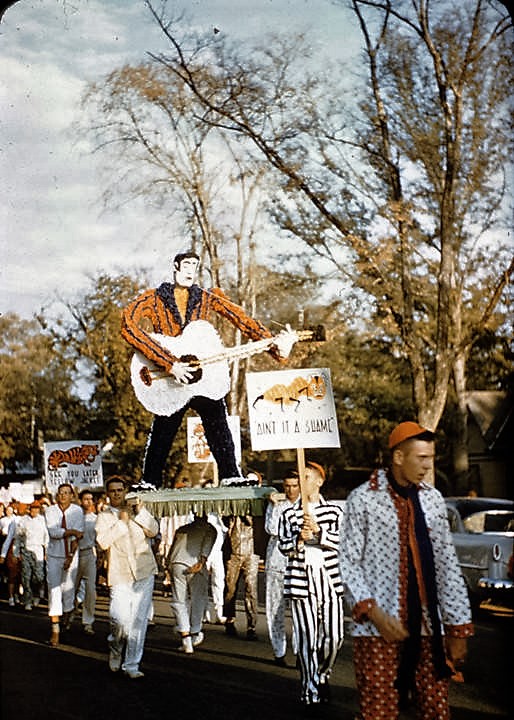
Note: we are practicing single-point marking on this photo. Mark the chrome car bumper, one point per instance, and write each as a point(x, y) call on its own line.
point(496, 584)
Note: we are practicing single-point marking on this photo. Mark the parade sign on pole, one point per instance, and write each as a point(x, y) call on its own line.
point(78, 462)
point(292, 409)
point(198, 450)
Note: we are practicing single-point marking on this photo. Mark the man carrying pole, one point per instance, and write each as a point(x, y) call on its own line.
point(309, 535)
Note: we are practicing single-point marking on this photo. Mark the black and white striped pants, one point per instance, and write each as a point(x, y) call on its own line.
point(318, 622)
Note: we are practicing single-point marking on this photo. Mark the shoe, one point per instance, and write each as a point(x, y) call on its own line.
point(313, 710)
point(230, 629)
point(134, 674)
point(187, 645)
point(238, 482)
point(67, 619)
point(28, 606)
point(251, 634)
point(114, 661)
point(280, 661)
point(324, 693)
point(88, 630)
point(197, 639)
point(36, 602)
point(142, 486)
point(11, 602)
point(54, 637)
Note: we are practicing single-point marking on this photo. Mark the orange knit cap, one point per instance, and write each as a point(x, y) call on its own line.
point(316, 466)
point(405, 431)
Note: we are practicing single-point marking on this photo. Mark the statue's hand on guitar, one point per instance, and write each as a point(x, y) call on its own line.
point(284, 341)
point(184, 372)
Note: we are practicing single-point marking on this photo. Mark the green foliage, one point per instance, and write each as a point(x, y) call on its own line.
point(372, 391)
point(36, 392)
point(491, 362)
point(92, 337)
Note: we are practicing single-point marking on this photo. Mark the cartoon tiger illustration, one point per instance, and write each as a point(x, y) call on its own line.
point(201, 447)
point(311, 388)
point(78, 455)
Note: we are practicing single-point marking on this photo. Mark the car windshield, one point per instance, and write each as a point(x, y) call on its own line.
point(490, 521)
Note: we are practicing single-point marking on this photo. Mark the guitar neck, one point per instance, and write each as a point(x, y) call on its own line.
point(249, 349)
point(239, 351)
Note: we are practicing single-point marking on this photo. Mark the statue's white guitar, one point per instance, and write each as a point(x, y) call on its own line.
point(200, 346)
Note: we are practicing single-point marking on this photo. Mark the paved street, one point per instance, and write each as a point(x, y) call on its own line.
point(225, 678)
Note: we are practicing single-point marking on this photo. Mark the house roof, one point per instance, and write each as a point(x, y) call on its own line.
point(492, 410)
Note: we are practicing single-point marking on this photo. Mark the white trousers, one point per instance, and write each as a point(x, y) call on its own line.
point(129, 611)
point(61, 584)
point(189, 597)
point(216, 569)
point(276, 612)
point(87, 572)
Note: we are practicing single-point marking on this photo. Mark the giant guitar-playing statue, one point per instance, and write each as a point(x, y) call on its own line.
point(201, 347)
point(180, 363)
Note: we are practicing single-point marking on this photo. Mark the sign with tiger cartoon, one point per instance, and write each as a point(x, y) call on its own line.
point(292, 409)
point(78, 462)
point(198, 449)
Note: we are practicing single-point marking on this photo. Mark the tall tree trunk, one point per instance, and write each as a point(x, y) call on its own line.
point(236, 366)
point(460, 441)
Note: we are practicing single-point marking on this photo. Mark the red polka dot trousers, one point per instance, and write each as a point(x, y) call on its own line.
point(376, 664)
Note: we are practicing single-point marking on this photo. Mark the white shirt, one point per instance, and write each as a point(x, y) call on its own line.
point(10, 538)
point(130, 551)
point(53, 517)
point(5, 522)
point(33, 535)
point(88, 540)
point(192, 541)
point(276, 561)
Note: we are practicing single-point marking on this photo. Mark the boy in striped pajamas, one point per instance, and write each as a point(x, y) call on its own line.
point(310, 539)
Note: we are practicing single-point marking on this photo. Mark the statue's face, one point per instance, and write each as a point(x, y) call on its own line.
point(185, 273)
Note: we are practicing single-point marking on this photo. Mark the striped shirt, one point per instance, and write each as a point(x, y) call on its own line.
point(330, 519)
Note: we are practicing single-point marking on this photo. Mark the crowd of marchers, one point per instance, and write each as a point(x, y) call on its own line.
point(387, 556)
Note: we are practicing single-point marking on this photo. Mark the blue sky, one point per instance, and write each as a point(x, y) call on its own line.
point(54, 234)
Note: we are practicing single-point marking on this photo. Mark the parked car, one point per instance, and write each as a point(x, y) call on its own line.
point(483, 534)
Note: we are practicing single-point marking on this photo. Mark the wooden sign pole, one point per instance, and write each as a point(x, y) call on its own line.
point(300, 455)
